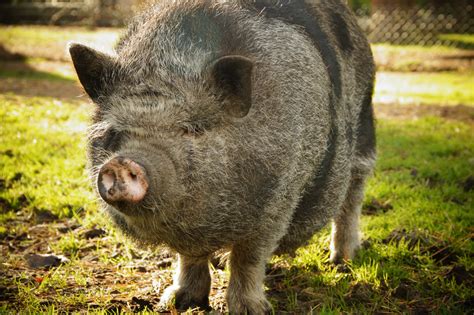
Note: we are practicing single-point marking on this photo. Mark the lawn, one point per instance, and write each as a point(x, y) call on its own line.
point(442, 88)
point(417, 224)
point(50, 42)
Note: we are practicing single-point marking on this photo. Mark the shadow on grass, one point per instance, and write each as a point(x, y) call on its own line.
point(15, 65)
point(19, 77)
point(20, 70)
point(297, 290)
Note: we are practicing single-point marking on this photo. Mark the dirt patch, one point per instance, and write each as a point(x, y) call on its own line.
point(131, 279)
point(412, 112)
point(468, 184)
point(461, 275)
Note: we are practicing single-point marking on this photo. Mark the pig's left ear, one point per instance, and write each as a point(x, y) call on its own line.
point(92, 67)
point(233, 77)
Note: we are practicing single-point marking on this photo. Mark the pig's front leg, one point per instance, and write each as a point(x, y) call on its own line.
point(246, 294)
point(191, 284)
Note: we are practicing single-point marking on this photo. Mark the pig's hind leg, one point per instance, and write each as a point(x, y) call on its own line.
point(345, 238)
point(191, 285)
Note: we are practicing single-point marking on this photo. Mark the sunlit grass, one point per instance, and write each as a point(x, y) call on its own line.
point(42, 141)
point(421, 169)
point(440, 88)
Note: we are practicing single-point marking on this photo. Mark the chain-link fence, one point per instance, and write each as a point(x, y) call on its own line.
point(420, 22)
point(441, 24)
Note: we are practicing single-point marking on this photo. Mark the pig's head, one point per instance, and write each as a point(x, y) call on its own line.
point(158, 134)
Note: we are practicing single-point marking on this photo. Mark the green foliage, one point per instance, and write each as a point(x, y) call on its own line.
point(361, 6)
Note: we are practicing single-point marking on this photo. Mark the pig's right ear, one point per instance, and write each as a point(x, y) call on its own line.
point(92, 67)
point(233, 77)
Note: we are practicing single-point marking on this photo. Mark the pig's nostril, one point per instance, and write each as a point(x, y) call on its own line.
point(108, 180)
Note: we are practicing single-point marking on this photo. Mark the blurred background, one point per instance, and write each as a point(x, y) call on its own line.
point(425, 22)
point(408, 36)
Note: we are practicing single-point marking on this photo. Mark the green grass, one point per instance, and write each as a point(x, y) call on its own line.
point(44, 145)
point(440, 88)
point(50, 42)
point(421, 170)
point(459, 40)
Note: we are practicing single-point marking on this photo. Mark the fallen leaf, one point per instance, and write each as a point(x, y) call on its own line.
point(67, 228)
point(45, 261)
point(93, 233)
point(44, 216)
point(140, 305)
point(165, 263)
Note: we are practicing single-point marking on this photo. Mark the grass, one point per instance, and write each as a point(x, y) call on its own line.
point(50, 42)
point(460, 40)
point(34, 68)
point(417, 254)
point(39, 135)
point(423, 166)
point(39, 46)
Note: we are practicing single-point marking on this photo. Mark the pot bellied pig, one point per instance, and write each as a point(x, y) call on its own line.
point(242, 125)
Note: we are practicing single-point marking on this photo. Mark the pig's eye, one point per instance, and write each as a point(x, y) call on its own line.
point(113, 140)
point(192, 131)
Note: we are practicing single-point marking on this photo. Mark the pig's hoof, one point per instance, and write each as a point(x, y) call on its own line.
point(183, 300)
point(340, 263)
point(337, 259)
point(250, 306)
point(341, 257)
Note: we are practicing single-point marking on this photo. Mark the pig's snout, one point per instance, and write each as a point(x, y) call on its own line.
point(122, 180)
